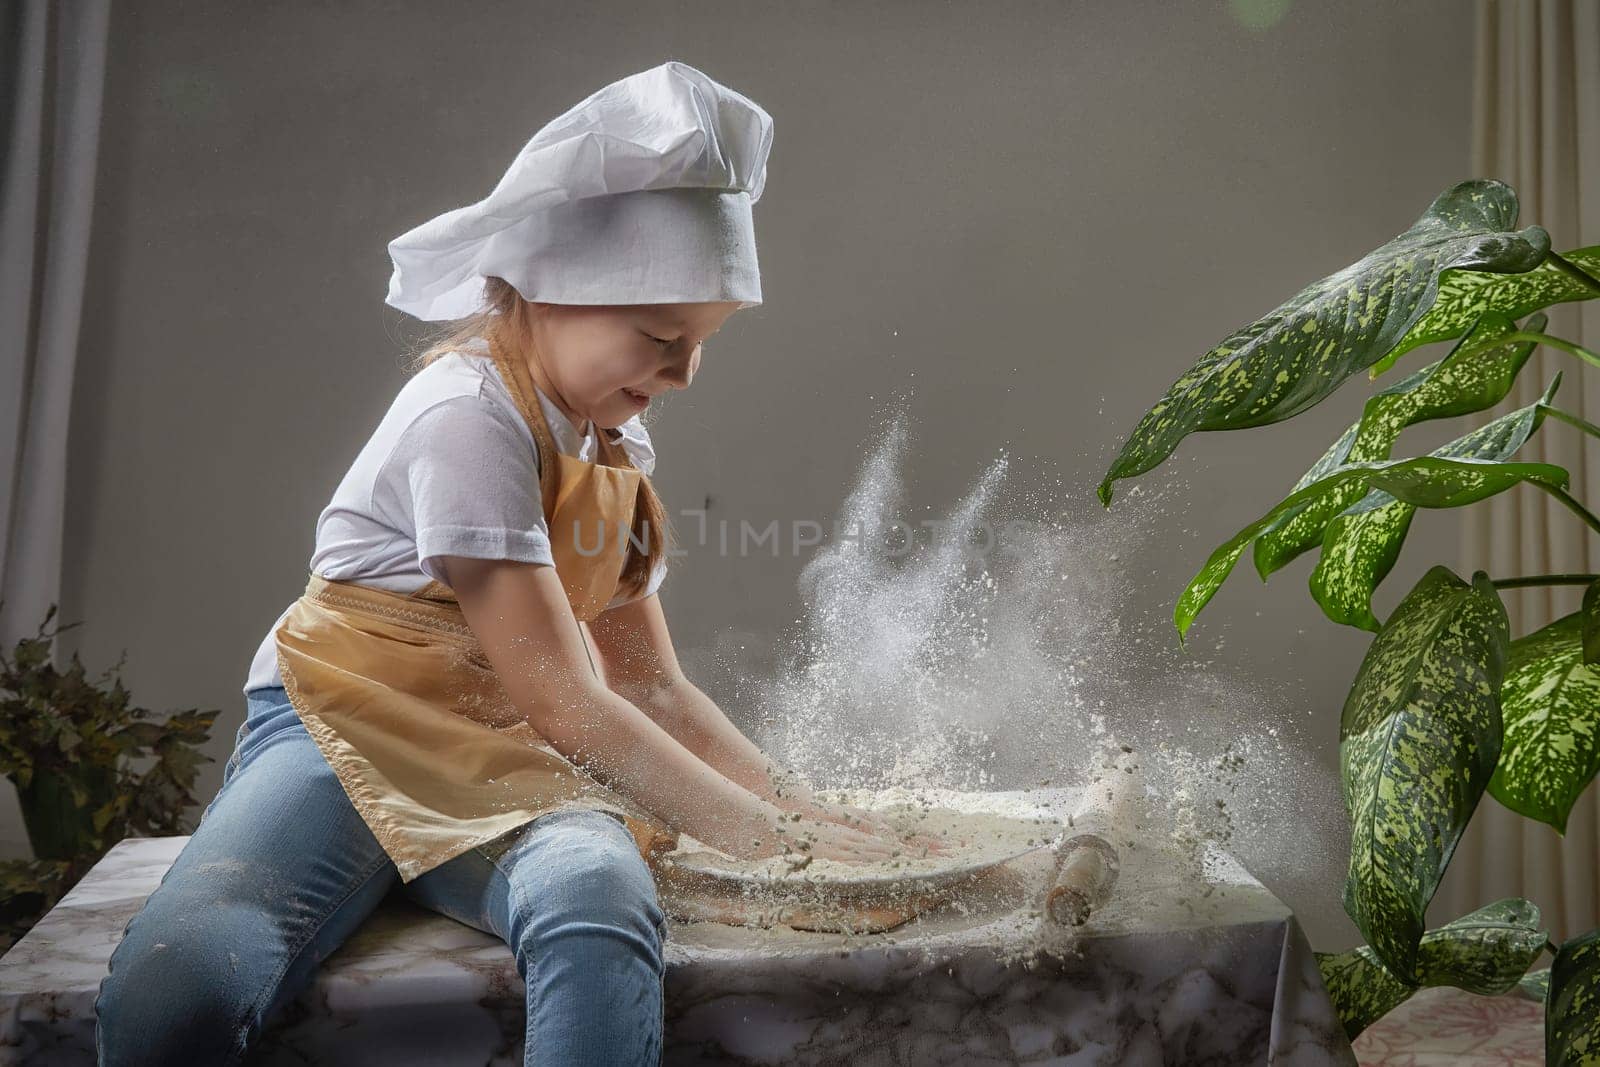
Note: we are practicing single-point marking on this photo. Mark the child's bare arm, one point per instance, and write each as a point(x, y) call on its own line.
point(642, 666)
point(521, 617)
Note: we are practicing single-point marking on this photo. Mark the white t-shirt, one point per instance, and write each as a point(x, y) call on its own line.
point(451, 470)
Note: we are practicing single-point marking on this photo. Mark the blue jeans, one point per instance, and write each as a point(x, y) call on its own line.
point(281, 870)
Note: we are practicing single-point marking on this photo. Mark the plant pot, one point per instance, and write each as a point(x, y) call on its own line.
point(57, 828)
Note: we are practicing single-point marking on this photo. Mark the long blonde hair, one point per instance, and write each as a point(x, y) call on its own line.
point(504, 322)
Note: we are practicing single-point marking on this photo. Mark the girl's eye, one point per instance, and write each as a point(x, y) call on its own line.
point(657, 340)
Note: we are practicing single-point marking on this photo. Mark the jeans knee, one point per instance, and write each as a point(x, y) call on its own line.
point(590, 874)
point(603, 870)
point(169, 998)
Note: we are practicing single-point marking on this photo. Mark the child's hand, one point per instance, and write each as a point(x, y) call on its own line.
point(873, 823)
point(919, 844)
point(801, 836)
point(833, 841)
point(845, 815)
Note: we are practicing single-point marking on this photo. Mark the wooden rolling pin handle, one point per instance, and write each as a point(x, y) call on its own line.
point(1086, 869)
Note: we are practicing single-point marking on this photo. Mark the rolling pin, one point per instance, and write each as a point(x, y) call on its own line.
point(1086, 868)
point(1087, 864)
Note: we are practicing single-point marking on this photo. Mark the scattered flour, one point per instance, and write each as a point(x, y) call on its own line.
point(1028, 677)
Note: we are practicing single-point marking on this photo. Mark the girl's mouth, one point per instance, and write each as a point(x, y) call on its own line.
point(638, 398)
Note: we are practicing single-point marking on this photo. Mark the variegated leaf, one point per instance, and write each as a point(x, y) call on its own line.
point(1551, 708)
point(1459, 384)
point(1361, 548)
point(1591, 623)
point(1361, 544)
point(1485, 952)
point(1426, 481)
point(1301, 351)
point(1418, 741)
point(1466, 294)
point(1361, 989)
point(1572, 1020)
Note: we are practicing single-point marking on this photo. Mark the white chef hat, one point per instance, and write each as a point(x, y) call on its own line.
point(640, 194)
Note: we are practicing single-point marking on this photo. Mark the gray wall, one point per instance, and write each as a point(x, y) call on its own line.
point(1029, 217)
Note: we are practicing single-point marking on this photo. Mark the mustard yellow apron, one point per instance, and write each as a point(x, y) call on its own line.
point(396, 691)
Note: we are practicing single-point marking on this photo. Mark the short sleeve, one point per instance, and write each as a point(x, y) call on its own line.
point(463, 481)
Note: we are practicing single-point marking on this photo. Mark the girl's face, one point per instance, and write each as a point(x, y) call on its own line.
point(606, 362)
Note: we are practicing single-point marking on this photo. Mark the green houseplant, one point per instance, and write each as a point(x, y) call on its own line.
point(67, 743)
point(1446, 703)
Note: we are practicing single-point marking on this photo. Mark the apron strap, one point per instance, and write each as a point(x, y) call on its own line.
point(519, 382)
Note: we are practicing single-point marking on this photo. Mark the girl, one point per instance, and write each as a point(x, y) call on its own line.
point(477, 697)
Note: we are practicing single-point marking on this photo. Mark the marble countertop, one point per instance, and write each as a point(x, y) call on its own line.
point(1203, 967)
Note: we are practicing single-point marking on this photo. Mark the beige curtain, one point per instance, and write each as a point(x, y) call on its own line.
point(52, 78)
point(1536, 126)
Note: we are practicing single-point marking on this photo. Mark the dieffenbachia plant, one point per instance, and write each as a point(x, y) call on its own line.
point(1446, 705)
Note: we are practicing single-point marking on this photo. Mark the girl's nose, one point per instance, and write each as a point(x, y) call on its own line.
point(680, 371)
